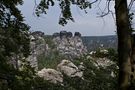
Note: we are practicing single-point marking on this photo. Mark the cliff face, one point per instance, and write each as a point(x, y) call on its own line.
point(69, 45)
point(38, 46)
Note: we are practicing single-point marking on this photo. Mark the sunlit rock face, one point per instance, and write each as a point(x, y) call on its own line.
point(64, 67)
point(38, 46)
point(51, 75)
point(104, 62)
point(70, 69)
point(69, 45)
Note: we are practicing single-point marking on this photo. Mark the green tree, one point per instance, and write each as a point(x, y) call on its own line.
point(14, 42)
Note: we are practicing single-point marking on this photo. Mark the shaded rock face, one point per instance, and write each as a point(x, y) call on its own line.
point(69, 45)
point(63, 34)
point(68, 68)
point(37, 33)
point(69, 34)
point(51, 75)
point(77, 34)
point(56, 34)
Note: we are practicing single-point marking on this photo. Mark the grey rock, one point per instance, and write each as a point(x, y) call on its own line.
point(38, 47)
point(68, 68)
point(69, 46)
point(51, 75)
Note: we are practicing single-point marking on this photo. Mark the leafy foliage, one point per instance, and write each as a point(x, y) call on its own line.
point(52, 58)
point(49, 61)
point(49, 40)
point(65, 6)
point(98, 78)
point(14, 46)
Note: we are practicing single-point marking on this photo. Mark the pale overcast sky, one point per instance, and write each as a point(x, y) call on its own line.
point(87, 24)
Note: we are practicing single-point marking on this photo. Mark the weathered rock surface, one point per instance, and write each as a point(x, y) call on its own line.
point(69, 45)
point(68, 68)
point(65, 43)
point(104, 62)
point(38, 33)
point(51, 75)
point(38, 46)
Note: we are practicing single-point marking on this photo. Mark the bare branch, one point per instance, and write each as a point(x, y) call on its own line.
point(34, 7)
point(108, 9)
point(94, 2)
point(130, 4)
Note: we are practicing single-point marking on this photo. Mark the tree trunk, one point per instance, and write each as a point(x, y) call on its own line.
point(133, 61)
point(124, 43)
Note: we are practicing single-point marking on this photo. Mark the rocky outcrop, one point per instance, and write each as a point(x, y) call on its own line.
point(65, 67)
point(69, 45)
point(37, 33)
point(101, 57)
point(104, 62)
point(65, 43)
point(51, 75)
point(69, 69)
point(38, 46)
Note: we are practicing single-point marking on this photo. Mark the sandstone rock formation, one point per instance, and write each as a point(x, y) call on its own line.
point(69, 45)
point(68, 68)
point(104, 62)
point(51, 75)
point(38, 33)
point(38, 46)
point(64, 43)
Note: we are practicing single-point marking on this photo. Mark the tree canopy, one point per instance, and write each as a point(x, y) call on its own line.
point(65, 6)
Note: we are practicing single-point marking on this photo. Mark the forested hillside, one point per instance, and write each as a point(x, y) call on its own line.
point(95, 42)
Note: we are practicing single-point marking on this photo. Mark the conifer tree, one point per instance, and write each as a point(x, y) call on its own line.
point(14, 46)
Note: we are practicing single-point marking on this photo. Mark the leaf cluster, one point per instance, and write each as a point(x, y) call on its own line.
point(14, 43)
point(65, 6)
